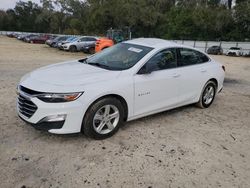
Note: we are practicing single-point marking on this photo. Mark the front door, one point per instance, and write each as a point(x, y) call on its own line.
point(157, 87)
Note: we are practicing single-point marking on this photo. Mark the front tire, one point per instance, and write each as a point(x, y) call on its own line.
point(72, 49)
point(103, 119)
point(207, 95)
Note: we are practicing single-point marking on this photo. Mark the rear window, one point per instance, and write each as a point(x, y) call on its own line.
point(191, 57)
point(234, 48)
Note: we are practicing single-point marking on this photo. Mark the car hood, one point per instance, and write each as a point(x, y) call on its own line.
point(66, 77)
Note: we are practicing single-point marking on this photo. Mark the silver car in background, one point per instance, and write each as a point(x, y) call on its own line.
point(77, 45)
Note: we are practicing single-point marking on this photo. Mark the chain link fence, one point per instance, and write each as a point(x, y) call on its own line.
point(201, 45)
point(204, 45)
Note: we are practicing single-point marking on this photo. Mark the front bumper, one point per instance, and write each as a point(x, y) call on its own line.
point(65, 47)
point(45, 126)
point(73, 111)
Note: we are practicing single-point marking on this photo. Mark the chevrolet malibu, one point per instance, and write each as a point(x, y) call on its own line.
point(130, 80)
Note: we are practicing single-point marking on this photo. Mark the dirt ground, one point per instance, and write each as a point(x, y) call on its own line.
point(186, 147)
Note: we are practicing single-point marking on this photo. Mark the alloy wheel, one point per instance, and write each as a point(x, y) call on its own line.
point(208, 95)
point(106, 119)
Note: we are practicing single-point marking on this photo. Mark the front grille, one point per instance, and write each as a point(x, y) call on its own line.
point(26, 106)
point(231, 53)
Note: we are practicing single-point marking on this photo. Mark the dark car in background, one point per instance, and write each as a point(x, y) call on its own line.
point(28, 37)
point(89, 48)
point(39, 39)
point(54, 43)
point(215, 50)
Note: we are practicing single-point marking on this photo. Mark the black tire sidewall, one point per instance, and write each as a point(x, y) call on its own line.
point(87, 126)
point(92, 50)
point(72, 49)
point(203, 92)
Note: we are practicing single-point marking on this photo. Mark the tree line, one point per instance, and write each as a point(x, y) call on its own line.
point(170, 19)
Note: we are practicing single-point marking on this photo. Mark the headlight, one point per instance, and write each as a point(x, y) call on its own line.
point(57, 97)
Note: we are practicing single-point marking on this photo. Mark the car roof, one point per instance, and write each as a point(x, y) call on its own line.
point(154, 43)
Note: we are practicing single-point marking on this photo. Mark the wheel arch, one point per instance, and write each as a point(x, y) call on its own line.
point(215, 81)
point(73, 45)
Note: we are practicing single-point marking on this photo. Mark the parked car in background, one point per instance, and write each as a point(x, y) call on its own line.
point(70, 39)
point(49, 41)
point(89, 48)
point(234, 51)
point(80, 43)
point(22, 36)
point(11, 35)
point(247, 54)
point(41, 39)
point(55, 41)
point(62, 38)
point(127, 81)
point(28, 37)
point(215, 50)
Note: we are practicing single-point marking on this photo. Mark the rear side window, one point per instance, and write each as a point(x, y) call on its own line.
point(191, 57)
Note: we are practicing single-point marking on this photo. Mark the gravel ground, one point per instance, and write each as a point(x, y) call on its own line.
point(185, 147)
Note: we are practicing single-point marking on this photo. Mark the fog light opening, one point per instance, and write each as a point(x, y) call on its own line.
point(54, 118)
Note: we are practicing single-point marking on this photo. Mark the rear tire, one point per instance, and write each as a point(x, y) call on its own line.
point(207, 95)
point(92, 50)
point(103, 119)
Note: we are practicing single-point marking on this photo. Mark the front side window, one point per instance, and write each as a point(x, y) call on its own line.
point(90, 39)
point(165, 59)
point(191, 57)
point(83, 39)
point(121, 56)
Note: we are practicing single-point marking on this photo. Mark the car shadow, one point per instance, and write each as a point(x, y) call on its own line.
point(154, 117)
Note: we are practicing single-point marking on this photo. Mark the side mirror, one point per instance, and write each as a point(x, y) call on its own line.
point(144, 70)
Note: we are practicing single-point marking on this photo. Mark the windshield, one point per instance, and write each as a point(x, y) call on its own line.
point(121, 56)
point(74, 39)
point(70, 38)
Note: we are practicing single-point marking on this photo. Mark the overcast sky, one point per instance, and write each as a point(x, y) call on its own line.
point(5, 4)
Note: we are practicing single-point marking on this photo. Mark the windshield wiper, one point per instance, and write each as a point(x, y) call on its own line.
point(82, 60)
point(99, 65)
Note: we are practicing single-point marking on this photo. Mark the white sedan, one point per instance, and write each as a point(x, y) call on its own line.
point(130, 80)
point(234, 51)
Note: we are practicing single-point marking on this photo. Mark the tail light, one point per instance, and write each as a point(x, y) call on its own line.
point(223, 67)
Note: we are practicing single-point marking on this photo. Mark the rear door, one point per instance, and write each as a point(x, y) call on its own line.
point(193, 67)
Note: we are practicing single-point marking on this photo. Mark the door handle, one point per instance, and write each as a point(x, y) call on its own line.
point(176, 75)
